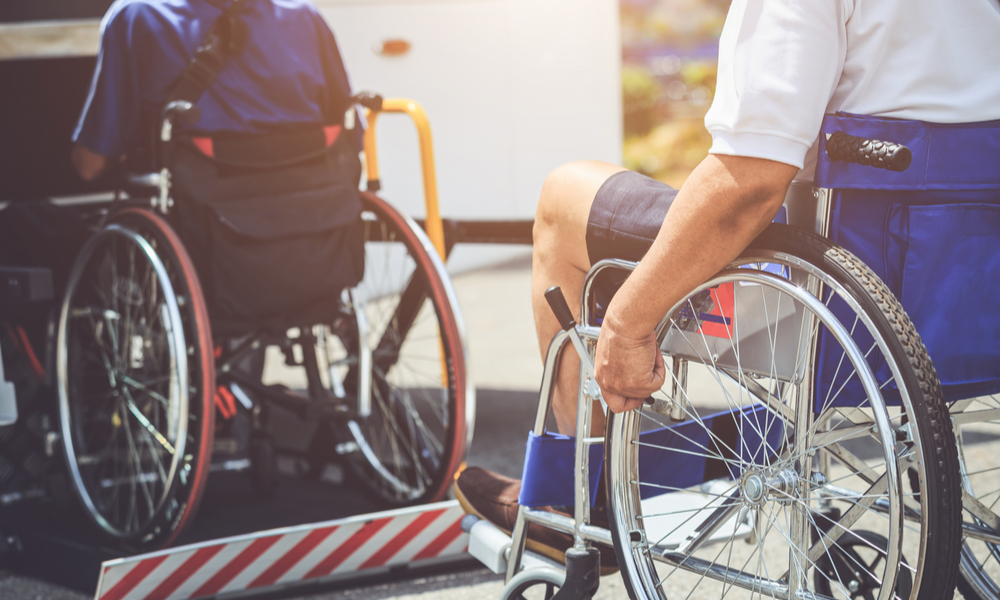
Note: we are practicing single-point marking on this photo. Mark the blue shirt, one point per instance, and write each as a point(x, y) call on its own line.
point(289, 73)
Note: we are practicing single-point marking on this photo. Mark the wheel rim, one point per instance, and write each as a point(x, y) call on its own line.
point(124, 431)
point(403, 446)
point(759, 482)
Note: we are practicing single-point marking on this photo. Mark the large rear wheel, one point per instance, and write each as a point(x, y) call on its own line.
point(402, 356)
point(135, 378)
point(775, 462)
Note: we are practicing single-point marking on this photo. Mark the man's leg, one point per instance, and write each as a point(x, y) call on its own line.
point(560, 258)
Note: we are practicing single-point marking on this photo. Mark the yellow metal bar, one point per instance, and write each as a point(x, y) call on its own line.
point(371, 152)
point(433, 224)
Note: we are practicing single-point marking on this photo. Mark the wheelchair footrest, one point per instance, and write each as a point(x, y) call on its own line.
point(487, 543)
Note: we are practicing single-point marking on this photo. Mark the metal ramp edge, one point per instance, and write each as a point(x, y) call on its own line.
point(428, 535)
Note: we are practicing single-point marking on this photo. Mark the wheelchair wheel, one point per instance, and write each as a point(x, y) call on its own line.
point(135, 377)
point(977, 427)
point(404, 351)
point(803, 398)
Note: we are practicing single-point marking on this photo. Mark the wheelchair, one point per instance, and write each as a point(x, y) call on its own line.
point(141, 376)
point(804, 445)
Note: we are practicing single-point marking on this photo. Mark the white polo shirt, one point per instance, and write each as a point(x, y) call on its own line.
point(783, 64)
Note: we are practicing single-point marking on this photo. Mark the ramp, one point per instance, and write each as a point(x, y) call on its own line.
point(422, 536)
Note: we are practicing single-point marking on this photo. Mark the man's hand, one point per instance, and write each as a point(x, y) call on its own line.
point(88, 164)
point(628, 370)
point(722, 206)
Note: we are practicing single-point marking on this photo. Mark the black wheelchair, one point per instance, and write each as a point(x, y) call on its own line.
point(150, 390)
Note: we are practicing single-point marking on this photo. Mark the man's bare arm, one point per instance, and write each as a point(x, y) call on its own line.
point(88, 163)
point(725, 203)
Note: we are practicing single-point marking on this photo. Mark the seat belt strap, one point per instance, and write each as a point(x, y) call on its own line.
point(226, 38)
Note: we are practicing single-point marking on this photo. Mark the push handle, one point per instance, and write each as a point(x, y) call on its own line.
point(557, 303)
point(182, 111)
point(869, 153)
point(369, 100)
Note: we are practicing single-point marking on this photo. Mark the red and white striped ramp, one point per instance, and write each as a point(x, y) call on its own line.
point(362, 545)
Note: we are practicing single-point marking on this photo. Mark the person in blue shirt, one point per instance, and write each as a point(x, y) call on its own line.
point(289, 73)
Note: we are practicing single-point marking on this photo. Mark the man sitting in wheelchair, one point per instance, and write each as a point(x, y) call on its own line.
point(783, 65)
point(251, 216)
point(258, 112)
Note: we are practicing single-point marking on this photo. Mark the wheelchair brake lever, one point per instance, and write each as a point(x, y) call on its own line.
point(557, 302)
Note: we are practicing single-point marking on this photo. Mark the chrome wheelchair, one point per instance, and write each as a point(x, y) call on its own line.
point(150, 392)
point(804, 445)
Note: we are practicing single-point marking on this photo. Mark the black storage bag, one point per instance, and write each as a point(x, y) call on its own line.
point(274, 229)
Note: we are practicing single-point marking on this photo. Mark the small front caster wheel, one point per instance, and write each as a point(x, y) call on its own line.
point(534, 584)
point(847, 568)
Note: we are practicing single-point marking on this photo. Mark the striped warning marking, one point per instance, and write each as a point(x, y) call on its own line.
point(281, 556)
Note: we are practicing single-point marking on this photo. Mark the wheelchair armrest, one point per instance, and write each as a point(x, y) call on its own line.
point(149, 180)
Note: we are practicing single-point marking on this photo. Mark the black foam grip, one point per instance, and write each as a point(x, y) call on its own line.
point(557, 303)
point(369, 100)
point(870, 153)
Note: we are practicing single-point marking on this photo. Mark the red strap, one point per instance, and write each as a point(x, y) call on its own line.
point(332, 132)
point(32, 357)
point(205, 145)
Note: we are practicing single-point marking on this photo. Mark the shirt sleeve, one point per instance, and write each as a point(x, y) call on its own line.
point(779, 64)
point(111, 113)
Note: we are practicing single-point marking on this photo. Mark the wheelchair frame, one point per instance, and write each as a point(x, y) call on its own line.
point(452, 351)
point(809, 208)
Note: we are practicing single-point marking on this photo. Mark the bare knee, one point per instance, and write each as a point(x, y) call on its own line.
point(567, 195)
point(557, 196)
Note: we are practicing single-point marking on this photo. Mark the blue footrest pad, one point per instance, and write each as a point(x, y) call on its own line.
point(671, 458)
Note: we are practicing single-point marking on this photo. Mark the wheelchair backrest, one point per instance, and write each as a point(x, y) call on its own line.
point(932, 233)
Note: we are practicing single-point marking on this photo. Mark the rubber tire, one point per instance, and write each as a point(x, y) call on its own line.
point(932, 418)
point(525, 579)
point(203, 357)
point(452, 342)
point(201, 367)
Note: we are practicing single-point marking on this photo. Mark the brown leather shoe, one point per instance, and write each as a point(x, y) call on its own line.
point(493, 497)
